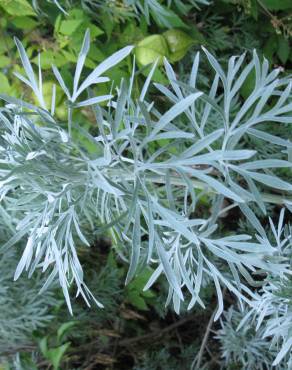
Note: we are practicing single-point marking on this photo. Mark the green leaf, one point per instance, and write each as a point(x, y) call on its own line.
point(271, 47)
point(95, 31)
point(178, 44)
point(196, 35)
point(4, 61)
point(140, 280)
point(136, 300)
point(283, 49)
point(150, 49)
point(69, 27)
point(64, 328)
point(25, 23)
point(165, 17)
point(96, 54)
point(254, 9)
point(4, 84)
point(50, 57)
point(107, 25)
point(17, 7)
point(55, 355)
point(6, 43)
point(277, 4)
point(43, 344)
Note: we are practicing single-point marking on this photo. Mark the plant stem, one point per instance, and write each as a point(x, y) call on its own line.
point(196, 365)
point(175, 180)
point(70, 121)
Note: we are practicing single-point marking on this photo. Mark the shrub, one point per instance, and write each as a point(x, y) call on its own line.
point(141, 177)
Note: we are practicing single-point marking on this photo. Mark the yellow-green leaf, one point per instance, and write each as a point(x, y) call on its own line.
point(178, 43)
point(4, 61)
point(69, 27)
point(150, 49)
point(17, 8)
point(4, 84)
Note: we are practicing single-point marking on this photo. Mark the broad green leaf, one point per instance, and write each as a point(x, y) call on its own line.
point(49, 58)
point(17, 8)
point(4, 61)
point(4, 84)
point(68, 27)
point(25, 23)
point(178, 43)
point(277, 4)
point(151, 49)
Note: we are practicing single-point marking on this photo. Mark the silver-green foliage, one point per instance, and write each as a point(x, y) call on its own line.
point(260, 337)
point(273, 306)
point(274, 313)
point(23, 310)
point(55, 193)
point(245, 346)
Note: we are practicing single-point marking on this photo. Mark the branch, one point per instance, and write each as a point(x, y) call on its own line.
point(196, 365)
point(157, 333)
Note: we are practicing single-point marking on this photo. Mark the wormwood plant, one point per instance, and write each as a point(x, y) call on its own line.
point(22, 309)
point(260, 337)
point(246, 348)
point(141, 176)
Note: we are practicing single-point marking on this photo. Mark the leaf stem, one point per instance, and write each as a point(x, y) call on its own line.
point(70, 121)
point(175, 180)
